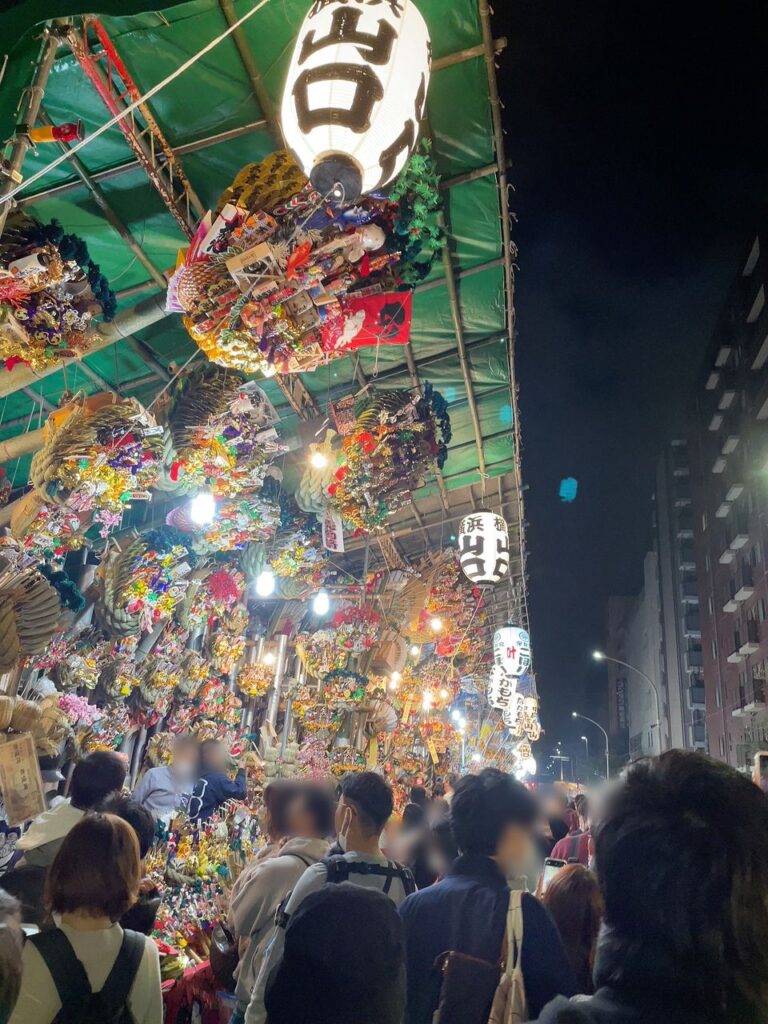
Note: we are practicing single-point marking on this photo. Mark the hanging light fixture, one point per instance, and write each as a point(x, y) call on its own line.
point(512, 650)
point(484, 548)
point(321, 603)
point(265, 583)
point(355, 93)
point(202, 509)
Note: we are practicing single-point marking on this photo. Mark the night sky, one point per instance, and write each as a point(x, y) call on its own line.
point(639, 140)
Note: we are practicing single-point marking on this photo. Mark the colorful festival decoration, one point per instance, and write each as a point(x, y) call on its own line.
point(355, 93)
point(484, 548)
point(396, 438)
point(50, 291)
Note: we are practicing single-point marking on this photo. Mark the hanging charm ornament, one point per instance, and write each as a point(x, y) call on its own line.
point(484, 548)
point(355, 93)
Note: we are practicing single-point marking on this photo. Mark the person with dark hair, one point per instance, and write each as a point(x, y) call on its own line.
point(94, 778)
point(88, 961)
point(357, 978)
point(214, 786)
point(492, 817)
point(142, 915)
point(309, 819)
point(450, 782)
point(680, 850)
point(11, 942)
point(364, 808)
point(574, 901)
point(442, 850)
point(574, 847)
point(411, 845)
point(419, 796)
point(166, 789)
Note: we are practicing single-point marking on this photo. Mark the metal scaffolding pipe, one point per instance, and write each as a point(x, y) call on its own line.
point(29, 108)
point(274, 695)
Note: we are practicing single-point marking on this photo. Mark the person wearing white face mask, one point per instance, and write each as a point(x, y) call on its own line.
point(465, 914)
point(364, 807)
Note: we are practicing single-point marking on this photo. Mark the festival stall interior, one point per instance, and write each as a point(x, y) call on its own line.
point(258, 413)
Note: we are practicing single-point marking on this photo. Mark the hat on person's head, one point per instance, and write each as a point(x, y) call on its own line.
point(343, 961)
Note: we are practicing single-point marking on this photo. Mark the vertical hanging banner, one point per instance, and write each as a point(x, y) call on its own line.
point(333, 531)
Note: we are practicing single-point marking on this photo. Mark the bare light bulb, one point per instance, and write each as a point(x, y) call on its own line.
point(436, 624)
point(269, 658)
point(443, 693)
point(202, 509)
point(265, 583)
point(319, 459)
point(321, 603)
point(415, 651)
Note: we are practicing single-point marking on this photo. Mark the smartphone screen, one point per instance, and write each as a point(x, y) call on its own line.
point(551, 867)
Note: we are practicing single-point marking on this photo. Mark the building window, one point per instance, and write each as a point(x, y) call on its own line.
point(714, 649)
point(711, 606)
point(722, 746)
point(718, 697)
point(704, 521)
point(760, 606)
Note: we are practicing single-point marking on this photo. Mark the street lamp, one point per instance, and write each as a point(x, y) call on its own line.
point(586, 744)
point(575, 714)
point(601, 656)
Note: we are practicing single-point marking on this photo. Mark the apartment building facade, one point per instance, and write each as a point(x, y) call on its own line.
point(729, 490)
point(681, 675)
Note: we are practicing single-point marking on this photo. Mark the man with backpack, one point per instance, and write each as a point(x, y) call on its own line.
point(252, 908)
point(455, 930)
point(364, 807)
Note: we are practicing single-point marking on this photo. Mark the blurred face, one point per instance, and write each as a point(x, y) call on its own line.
point(300, 821)
point(216, 758)
point(185, 761)
point(514, 848)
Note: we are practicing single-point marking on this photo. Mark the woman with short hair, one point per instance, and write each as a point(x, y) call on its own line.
point(93, 880)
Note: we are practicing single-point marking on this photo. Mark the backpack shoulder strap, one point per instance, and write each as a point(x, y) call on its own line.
point(514, 935)
point(289, 853)
point(124, 970)
point(69, 976)
point(337, 868)
point(406, 877)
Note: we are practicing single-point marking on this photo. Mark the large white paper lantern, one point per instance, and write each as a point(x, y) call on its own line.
point(355, 93)
point(501, 688)
point(512, 650)
point(484, 548)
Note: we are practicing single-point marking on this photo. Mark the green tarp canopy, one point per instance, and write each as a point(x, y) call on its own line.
point(212, 117)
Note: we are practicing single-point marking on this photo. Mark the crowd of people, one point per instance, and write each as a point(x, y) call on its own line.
point(646, 902)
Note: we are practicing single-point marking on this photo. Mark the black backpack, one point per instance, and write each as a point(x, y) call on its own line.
point(79, 1005)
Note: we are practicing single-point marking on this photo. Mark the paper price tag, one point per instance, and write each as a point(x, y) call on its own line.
point(432, 750)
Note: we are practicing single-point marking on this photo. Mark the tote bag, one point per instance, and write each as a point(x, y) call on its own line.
point(509, 1003)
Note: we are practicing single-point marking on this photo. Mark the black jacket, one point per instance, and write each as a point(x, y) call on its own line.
point(467, 911)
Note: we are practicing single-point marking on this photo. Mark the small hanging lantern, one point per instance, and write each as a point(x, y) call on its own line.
point(355, 93)
point(512, 650)
point(484, 548)
point(501, 688)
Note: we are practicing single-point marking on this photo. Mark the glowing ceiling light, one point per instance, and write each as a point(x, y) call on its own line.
point(202, 509)
point(321, 603)
point(319, 459)
point(436, 624)
point(265, 583)
point(415, 651)
point(269, 658)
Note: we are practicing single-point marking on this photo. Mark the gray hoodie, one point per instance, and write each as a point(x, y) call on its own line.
point(256, 898)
